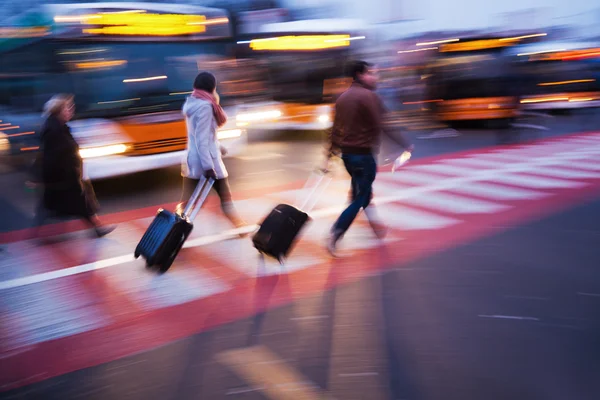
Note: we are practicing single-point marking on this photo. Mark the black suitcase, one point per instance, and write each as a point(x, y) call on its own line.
point(279, 230)
point(167, 233)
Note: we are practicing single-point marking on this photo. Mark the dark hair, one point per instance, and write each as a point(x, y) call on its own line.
point(354, 68)
point(205, 81)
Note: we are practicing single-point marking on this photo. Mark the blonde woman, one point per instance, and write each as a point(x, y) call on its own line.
point(60, 169)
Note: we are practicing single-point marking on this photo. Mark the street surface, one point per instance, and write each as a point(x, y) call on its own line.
point(487, 286)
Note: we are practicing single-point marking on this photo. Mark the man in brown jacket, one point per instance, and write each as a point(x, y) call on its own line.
point(355, 134)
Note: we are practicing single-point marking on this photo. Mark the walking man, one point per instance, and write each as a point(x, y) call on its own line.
point(355, 135)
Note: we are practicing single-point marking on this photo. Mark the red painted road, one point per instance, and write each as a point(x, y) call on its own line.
point(55, 320)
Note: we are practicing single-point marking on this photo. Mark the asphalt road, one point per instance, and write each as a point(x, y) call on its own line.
point(512, 316)
point(503, 305)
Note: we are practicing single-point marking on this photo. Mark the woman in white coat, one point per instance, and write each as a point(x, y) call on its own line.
point(203, 116)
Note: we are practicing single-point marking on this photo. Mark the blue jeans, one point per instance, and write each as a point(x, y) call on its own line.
point(362, 169)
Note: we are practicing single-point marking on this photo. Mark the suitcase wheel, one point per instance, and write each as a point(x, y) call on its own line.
point(164, 267)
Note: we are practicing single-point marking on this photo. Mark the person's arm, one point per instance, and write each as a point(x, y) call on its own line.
point(333, 143)
point(379, 114)
point(203, 135)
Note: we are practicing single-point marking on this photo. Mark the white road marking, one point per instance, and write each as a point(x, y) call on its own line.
point(498, 192)
point(567, 173)
point(451, 203)
point(589, 294)
point(273, 171)
point(590, 166)
point(530, 126)
point(406, 218)
point(527, 297)
point(535, 182)
point(509, 317)
point(261, 157)
point(408, 176)
point(181, 285)
point(501, 156)
point(443, 169)
point(446, 184)
point(474, 163)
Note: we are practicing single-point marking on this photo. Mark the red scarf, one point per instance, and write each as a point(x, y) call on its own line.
point(218, 111)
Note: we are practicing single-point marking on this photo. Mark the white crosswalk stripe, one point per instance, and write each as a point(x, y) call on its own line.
point(567, 173)
point(474, 162)
point(535, 182)
point(407, 218)
point(443, 169)
point(498, 192)
point(451, 203)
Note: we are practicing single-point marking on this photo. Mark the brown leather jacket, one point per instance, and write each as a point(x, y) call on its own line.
point(359, 122)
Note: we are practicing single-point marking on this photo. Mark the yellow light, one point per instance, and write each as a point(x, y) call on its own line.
point(566, 82)
point(150, 78)
point(10, 127)
point(576, 100)
point(524, 37)
point(305, 42)
point(229, 134)
point(100, 64)
point(179, 93)
point(438, 42)
point(545, 99)
point(140, 23)
point(103, 151)
point(475, 45)
point(258, 116)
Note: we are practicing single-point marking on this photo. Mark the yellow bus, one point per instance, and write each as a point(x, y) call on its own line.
point(130, 66)
point(303, 71)
point(473, 79)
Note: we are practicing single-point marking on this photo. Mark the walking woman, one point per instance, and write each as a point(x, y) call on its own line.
point(60, 169)
point(203, 116)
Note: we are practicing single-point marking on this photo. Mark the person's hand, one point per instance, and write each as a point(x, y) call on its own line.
point(223, 151)
point(326, 166)
point(210, 173)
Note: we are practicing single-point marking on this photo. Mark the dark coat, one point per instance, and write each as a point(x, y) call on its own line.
point(65, 193)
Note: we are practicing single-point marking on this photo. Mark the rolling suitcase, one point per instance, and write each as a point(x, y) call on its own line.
point(167, 233)
point(279, 230)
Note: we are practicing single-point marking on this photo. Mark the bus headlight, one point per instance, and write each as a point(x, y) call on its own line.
point(103, 151)
point(229, 134)
point(4, 144)
point(324, 118)
point(259, 116)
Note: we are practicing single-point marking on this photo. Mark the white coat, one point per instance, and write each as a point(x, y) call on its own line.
point(203, 147)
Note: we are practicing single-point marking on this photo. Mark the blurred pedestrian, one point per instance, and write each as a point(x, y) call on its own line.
point(59, 169)
point(203, 116)
point(355, 134)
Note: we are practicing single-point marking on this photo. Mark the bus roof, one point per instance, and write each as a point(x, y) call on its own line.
point(116, 21)
point(127, 6)
point(316, 26)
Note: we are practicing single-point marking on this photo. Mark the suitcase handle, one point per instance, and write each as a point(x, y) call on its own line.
point(311, 196)
point(198, 197)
